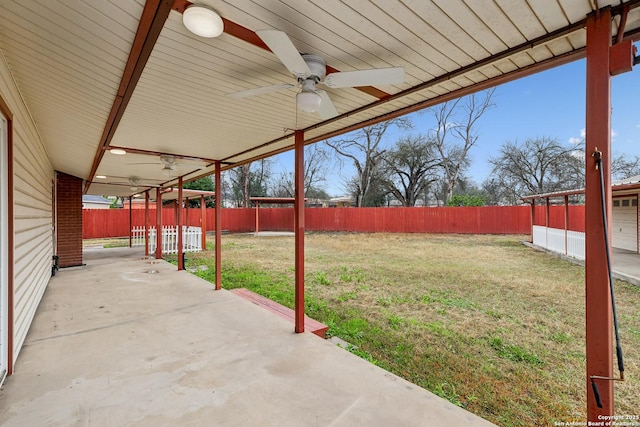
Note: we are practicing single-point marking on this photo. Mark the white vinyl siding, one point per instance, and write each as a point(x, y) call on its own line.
point(32, 183)
point(625, 223)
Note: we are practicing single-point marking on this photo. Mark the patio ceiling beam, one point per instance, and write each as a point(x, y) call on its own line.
point(154, 16)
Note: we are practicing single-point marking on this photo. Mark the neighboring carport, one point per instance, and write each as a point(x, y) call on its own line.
point(102, 79)
point(625, 216)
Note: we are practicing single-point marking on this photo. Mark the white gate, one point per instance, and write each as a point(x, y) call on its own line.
point(191, 239)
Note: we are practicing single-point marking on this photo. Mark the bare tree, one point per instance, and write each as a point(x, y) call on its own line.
point(624, 166)
point(363, 148)
point(540, 165)
point(315, 171)
point(456, 133)
point(249, 180)
point(410, 168)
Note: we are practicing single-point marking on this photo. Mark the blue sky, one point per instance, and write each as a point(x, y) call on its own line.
point(547, 104)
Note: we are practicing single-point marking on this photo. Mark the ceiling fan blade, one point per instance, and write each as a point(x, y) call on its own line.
point(281, 45)
point(259, 91)
point(372, 77)
point(327, 110)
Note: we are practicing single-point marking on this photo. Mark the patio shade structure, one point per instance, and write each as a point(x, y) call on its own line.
point(100, 79)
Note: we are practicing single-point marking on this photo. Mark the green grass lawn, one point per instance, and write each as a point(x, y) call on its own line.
point(483, 321)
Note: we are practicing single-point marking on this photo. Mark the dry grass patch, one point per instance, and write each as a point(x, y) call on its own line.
point(483, 321)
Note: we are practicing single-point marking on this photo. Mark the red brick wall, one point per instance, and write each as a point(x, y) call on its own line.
point(69, 224)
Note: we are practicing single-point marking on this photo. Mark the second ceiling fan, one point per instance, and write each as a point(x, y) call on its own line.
point(310, 70)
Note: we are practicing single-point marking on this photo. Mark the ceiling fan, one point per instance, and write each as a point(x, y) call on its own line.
point(169, 164)
point(133, 182)
point(310, 70)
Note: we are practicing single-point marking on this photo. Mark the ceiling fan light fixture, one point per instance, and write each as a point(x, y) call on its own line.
point(167, 170)
point(202, 21)
point(118, 151)
point(308, 101)
point(133, 183)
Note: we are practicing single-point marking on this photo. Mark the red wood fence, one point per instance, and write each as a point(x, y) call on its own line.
point(575, 217)
point(100, 223)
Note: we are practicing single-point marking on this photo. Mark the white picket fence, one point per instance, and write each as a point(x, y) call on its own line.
point(191, 238)
point(566, 242)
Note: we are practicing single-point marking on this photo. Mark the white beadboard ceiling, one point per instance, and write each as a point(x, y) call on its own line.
point(68, 58)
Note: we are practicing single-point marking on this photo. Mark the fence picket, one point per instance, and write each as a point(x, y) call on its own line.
point(191, 240)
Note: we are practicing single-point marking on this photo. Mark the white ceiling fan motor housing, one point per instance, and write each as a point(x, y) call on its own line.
point(317, 66)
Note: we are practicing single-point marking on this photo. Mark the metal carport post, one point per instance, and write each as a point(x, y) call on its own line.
point(599, 342)
point(179, 226)
point(146, 223)
point(158, 223)
point(299, 230)
point(218, 225)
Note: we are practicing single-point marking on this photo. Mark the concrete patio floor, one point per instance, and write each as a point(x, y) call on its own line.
point(625, 265)
point(114, 345)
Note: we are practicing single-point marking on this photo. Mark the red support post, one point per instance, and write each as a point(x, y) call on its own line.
point(158, 223)
point(203, 222)
point(547, 213)
point(566, 225)
point(179, 220)
point(599, 336)
point(257, 220)
point(146, 223)
point(130, 222)
point(186, 212)
point(218, 225)
point(299, 231)
point(533, 216)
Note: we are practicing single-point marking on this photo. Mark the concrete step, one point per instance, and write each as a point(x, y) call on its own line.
point(310, 324)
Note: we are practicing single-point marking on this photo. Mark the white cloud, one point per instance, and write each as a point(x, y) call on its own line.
point(578, 154)
point(574, 140)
